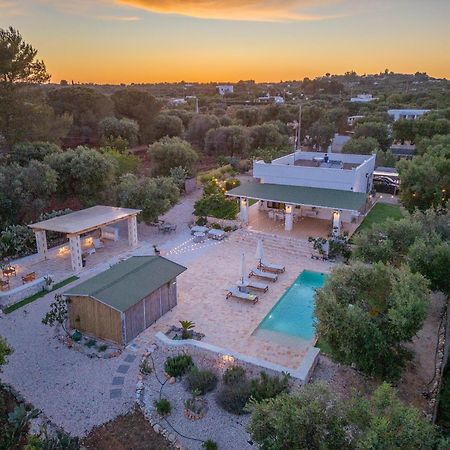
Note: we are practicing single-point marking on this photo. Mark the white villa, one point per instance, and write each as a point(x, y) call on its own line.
point(363, 98)
point(225, 89)
point(316, 191)
point(411, 114)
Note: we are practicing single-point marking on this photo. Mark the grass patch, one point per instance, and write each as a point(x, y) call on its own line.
point(323, 346)
point(379, 214)
point(38, 295)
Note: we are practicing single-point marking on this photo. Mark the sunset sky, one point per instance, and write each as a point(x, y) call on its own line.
point(113, 41)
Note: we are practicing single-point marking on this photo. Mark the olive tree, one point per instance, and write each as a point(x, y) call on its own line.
point(366, 313)
point(168, 153)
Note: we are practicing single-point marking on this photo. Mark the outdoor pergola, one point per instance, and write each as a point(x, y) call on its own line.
point(73, 225)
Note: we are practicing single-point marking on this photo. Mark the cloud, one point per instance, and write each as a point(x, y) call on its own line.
point(246, 10)
point(10, 8)
point(119, 18)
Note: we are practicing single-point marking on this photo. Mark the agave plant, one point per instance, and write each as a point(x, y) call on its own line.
point(187, 326)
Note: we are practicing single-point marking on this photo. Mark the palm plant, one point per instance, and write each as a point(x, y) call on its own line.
point(186, 326)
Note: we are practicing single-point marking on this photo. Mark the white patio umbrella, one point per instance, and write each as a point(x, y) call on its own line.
point(243, 268)
point(260, 250)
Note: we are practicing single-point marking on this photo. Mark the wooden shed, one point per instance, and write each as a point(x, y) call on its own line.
point(121, 302)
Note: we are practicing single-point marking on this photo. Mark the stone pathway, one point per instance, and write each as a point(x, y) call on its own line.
point(116, 392)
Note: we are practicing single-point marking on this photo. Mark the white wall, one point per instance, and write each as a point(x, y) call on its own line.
point(282, 171)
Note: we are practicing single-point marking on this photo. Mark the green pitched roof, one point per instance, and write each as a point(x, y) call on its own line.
point(301, 195)
point(128, 282)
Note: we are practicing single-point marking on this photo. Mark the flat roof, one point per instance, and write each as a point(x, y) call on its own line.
point(301, 195)
point(128, 282)
point(85, 220)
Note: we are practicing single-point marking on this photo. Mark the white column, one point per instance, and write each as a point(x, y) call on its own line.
point(75, 252)
point(288, 218)
point(41, 243)
point(336, 224)
point(132, 231)
point(243, 215)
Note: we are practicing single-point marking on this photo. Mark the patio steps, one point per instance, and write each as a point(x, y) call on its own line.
point(274, 243)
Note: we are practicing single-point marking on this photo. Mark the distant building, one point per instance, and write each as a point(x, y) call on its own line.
point(412, 114)
point(338, 142)
point(177, 101)
point(271, 99)
point(403, 150)
point(351, 120)
point(363, 98)
point(225, 89)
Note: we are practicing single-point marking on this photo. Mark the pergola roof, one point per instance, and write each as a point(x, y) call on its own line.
point(85, 220)
point(301, 195)
point(128, 282)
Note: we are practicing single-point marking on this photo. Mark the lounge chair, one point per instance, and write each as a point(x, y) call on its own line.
point(29, 277)
point(268, 267)
point(267, 275)
point(256, 285)
point(235, 292)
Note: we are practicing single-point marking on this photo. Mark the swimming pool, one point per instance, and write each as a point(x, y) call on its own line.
point(293, 314)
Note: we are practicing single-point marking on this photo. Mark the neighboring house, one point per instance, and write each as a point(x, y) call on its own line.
point(177, 101)
point(271, 99)
point(403, 150)
point(225, 89)
point(412, 114)
point(338, 142)
point(363, 98)
point(351, 120)
point(309, 184)
point(123, 301)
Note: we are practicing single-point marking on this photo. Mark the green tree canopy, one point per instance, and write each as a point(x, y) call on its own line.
point(23, 153)
point(112, 128)
point(229, 141)
point(198, 127)
point(425, 181)
point(361, 146)
point(376, 130)
point(366, 313)
point(140, 106)
point(267, 135)
point(248, 117)
point(5, 351)
point(153, 195)
point(167, 125)
point(321, 132)
point(168, 153)
point(84, 173)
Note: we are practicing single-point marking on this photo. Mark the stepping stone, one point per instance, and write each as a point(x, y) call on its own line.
point(129, 358)
point(118, 381)
point(123, 368)
point(115, 393)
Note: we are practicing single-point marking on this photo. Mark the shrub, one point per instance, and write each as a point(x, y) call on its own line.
point(178, 365)
point(232, 183)
point(227, 229)
point(102, 348)
point(234, 375)
point(145, 368)
point(216, 226)
point(234, 397)
point(163, 407)
point(201, 221)
point(90, 343)
point(202, 381)
point(210, 445)
point(269, 387)
point(216, 205)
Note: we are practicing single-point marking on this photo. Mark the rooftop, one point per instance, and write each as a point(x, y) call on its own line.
point(128, 282)
point(85, 219)
point(301, 195)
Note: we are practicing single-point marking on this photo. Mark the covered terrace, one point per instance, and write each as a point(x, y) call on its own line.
point(299, 210)
point(94, 224)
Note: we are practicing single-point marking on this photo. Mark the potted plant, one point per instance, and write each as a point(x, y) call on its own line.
point(48, 286)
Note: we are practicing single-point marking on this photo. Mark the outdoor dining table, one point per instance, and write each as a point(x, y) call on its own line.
point(199, 229)
point(199, 237)
point(9, 271)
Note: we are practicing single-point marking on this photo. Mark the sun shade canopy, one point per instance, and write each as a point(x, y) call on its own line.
point(301, 195)
point(85, 220)
point(128, 282)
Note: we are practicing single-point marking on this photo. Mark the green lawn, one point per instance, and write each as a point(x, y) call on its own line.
point(379, 213)
point(38, 295)
point(323, 346)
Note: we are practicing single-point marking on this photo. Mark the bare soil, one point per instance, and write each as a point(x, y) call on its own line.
point(129, 432)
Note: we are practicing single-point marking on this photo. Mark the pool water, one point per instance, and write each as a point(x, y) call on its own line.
point(293, 314)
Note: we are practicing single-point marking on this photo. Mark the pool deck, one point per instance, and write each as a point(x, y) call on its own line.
point(230, 324)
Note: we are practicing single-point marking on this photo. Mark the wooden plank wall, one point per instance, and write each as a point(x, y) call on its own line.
point(149, 310)
point(96, 318)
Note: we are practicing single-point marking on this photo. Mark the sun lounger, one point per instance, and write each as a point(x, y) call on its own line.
point(235, 292)
point(268, 267)
point(256, 285)
point(267, 275)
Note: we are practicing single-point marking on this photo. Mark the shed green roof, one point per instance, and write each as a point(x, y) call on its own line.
point(301, 195)
point(128, 282)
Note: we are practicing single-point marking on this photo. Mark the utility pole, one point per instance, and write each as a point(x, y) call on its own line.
point(299, 128)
